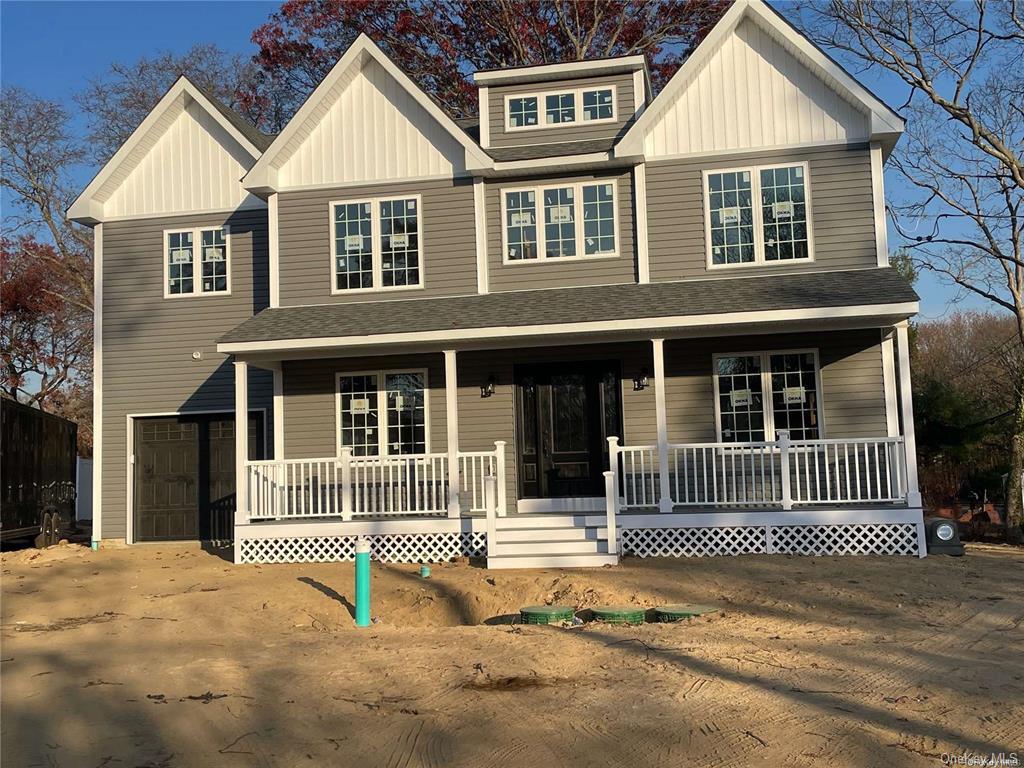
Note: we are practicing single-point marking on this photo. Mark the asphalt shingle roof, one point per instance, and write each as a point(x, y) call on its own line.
point(804, 290)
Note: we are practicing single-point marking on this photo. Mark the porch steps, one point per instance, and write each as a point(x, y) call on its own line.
point(548, 541)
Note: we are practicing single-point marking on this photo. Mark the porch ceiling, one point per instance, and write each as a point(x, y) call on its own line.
point(766, 301)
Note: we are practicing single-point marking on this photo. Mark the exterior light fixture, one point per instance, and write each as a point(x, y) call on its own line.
point(487, 389)
point(641, 381)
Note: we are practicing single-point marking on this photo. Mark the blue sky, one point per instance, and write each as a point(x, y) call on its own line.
point(54, 48)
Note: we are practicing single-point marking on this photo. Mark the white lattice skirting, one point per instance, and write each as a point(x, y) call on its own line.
point(858, 539)
point(387, 548)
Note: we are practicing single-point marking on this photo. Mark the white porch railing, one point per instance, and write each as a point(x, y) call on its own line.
point(349, 486)
point(776, 474)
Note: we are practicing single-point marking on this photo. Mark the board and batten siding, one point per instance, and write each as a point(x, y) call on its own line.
point(306, 241)
point(581, 131)
point(555, 273)
point(841, 210)
point(148, 341)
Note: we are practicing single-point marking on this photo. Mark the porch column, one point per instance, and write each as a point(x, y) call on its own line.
point(907, 412)
point(660, 408)
point(241, 448)
point(451, 399)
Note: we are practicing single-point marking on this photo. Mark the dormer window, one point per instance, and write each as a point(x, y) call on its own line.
point(550, 109)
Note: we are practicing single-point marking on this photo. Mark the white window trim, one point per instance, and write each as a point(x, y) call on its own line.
point(577, 188)
point(375, 238)
point(197, 261)
point(758, 214)
point(766, 388)
point(383, 449)
point(542, 116)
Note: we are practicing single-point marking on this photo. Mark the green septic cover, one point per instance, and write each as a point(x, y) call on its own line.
point(619, 614)
point(683, 611)
point(546, 614)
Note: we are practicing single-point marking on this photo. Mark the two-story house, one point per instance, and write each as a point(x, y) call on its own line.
point(593, 321)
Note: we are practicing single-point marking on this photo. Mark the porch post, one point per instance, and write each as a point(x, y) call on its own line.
point(241, 449)
point(665, 503)
point(451, 397)
point(907, 412)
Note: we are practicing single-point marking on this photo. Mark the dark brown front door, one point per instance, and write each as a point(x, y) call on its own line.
point(185, 476)
point(565, 412)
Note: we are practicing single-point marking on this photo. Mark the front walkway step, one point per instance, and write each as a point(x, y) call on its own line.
point(505, 562)
point(553, 546)
point(548, 534)
point(540, 521)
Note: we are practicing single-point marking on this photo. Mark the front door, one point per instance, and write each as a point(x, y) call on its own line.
point(565, 412)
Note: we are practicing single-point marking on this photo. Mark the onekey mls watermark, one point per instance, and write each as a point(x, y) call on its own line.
point(994, 759)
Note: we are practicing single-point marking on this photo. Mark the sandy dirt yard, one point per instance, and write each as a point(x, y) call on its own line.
point(171, 656)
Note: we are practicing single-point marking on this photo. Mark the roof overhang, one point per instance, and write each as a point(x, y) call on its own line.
point(262, 177)
point(886, 125)
point(540, 73)
point(88, 207)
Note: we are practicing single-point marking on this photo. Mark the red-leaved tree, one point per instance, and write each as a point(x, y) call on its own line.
point(439, 43)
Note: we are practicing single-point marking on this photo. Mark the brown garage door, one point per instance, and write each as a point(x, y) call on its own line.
point(185, 475)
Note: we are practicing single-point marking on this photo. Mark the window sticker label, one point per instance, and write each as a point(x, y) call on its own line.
point(399, 402)
point(730, 215)
point(794, 394)
point(214, 254)
point(783, 210)
point(740, 398)
point(359, 407)
point(181, 257)
point(560, 214)
point(399, 241)
point(411, 205)
point(353, 242)
point(521, 219)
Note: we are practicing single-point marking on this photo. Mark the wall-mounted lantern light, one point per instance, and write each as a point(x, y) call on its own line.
point(641, 381)
point(487, 389)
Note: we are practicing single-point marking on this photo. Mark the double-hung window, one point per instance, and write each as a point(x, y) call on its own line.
point(560, 221)
point(377, 244)
point(758, 215)
point(383, 413)
point(759, 393)
point(550, 109)
point(197, 261)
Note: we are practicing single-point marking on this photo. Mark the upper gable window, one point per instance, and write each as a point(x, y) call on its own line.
point(576, 221)
point(550, 109)
point(757, 215)
point(377, 244)
point(196, 262)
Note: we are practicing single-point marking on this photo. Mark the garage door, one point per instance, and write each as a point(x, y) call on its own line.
point(185, 476)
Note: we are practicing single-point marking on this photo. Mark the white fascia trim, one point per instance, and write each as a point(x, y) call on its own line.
point(878, 203)
point(640, 324)
point(564, 70)
point(87, 210)
point(883, 119)
point(249, 205)
point(262, 176)
point(560, 161)
point(97, 385)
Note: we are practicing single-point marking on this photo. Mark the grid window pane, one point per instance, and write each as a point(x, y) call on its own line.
point(359, 415)
point(560, 108)
point(214, 250)
point(740, 398)
point(784, 213)
point(353, 246)
point(399, 242)
point(522, 111)
point(407, 416)
point(795, 394)
point(598, 219)
point(180, 262)
point(597, 105)
point(732, 217)
point(521, 225)
point(559, 222)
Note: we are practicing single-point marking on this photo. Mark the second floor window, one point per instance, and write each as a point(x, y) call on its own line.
point(554, 108)
point(572, 220)
point(196, 261)
point(377, 244)
point(757, 215)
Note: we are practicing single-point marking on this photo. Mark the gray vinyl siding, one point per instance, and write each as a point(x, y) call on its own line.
point(148, 340)
point(851, 371)
point(552, 273)
point(447, 223)
point(624, 108)
point(842, 212)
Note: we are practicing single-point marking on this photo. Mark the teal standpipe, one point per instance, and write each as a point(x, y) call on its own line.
point(362, 582)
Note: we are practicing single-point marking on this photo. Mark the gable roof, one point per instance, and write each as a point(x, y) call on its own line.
point(88, 206)
point(886, 124)
point(261, 177)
